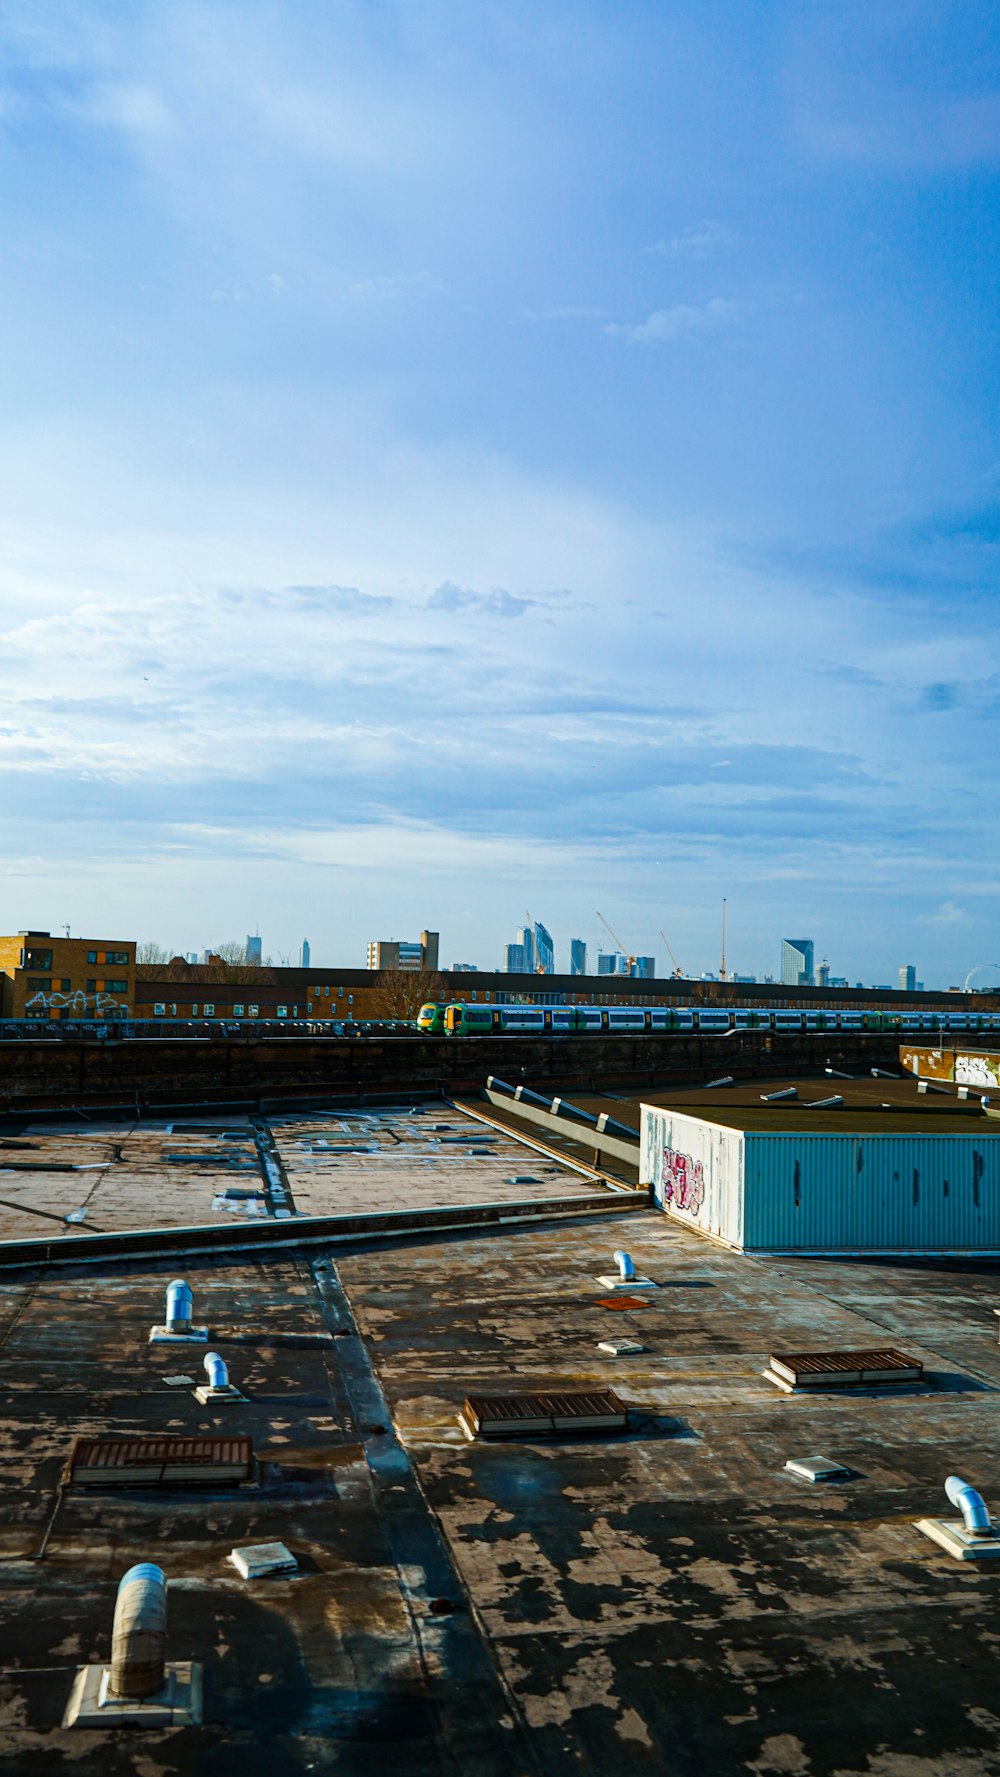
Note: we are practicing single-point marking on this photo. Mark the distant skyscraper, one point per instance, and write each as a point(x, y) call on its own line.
point(642, 968)
point(908, 978)
point(577, 956)
point(526, 939)
point(304, 964)
point(513, 959)
point(545, 950)
point(797, 962)
point(824, 974)
point(253, 947)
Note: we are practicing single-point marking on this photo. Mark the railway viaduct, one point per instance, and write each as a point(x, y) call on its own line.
point(150, 1076)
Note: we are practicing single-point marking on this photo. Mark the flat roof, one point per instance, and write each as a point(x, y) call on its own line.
point(671, 1596)
point(871, 1107)
point(205, 1170)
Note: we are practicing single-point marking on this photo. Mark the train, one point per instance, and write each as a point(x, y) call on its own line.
point(460, 1019)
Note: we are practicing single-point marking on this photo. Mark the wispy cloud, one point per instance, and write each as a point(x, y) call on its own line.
point(682, 321)
point(395, 286)
point(498, 603)
point(698, 241)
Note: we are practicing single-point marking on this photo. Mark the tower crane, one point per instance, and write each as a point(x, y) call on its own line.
point(678, 971)
point(613, 933)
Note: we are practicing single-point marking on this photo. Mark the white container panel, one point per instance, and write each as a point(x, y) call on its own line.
point(696, 1171)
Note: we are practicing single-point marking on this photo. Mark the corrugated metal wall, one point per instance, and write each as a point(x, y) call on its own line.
point(696, 1171)
point(883, 1193)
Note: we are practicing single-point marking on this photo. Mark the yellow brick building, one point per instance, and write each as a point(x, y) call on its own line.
point(43, 977)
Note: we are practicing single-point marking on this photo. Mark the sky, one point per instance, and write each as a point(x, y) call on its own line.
point(463, 460)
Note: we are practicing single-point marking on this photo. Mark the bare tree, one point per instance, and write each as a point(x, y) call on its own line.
point(400, 993)
point(231, 962)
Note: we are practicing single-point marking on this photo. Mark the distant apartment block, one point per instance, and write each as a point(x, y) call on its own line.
point(42, 977)
point(465, 968)
point(636, 968)
point(407, 954)
point(526, 939)
point(797, 962)
point(577, 956)
point(908, 978)
point(513, 960)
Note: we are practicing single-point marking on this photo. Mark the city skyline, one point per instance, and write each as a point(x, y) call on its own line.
point(413, 492)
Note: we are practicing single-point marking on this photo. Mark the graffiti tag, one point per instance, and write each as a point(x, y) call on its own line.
point(683, 1181)
point(77, 1002)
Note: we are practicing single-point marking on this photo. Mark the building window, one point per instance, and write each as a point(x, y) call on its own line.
point(209, 1009)
point(194, 1011)
point(37, 985)
point(92, 956)
point(340, 993)
point(38, 959)
point(65, 984)
point(253, 1011)
point(118, 958)
point(350, 999)
point(237, 1011)
point(116, 987)
point(282, 1011)
point(159, 1009)
point(91, 986)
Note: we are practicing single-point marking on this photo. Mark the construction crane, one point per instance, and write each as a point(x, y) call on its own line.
point(678, 971)
point(612, 931)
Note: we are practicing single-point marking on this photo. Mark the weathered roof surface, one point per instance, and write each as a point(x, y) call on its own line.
point(668, 1598)
point(674, 1599)
point(62, 1181)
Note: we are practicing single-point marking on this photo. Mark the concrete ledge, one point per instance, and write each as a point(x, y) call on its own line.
point(178, 1705)
point(269, 1236)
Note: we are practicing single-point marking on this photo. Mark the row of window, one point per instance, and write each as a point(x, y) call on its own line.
point(44, 984)
point(161, 1009)
point(112, 959)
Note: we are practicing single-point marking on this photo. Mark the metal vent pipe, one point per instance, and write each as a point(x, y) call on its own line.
point(179, 1305)
point(971, 1505)
point(139, 1635)
point(626, 1268)
point(218, 1374)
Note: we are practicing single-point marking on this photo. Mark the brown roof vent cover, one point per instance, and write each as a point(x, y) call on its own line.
point(165, 1461)
point(843, 1369)
point(520, 1415)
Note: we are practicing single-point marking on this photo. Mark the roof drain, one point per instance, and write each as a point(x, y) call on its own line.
point(177, 1328)
point(139, 1688)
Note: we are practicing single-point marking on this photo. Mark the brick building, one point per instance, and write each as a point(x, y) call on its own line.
point(43, 977)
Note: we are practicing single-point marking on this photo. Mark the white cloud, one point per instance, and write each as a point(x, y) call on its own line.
point(393, 287)
point(683, 321)
point(698, 241)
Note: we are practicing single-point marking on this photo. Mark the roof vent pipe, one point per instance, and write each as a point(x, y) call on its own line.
point(971, 1505)
point(179, 1304)
point(139, 1635)
point(820, 1104)
point(777, 1097)
point(218, 1373)
point(725, 1080)
point(626, 1269)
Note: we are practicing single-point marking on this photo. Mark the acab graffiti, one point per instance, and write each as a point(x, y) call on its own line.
point(75, 1002)
point(683, 1181)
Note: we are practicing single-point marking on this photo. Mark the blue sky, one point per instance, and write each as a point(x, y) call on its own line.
point(462, 459)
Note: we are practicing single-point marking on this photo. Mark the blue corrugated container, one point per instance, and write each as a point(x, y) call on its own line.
point(794, 1191)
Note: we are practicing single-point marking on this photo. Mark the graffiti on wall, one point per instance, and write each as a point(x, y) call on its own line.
point(976, 1070)
point(683, 1181)
point(75, 1003)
